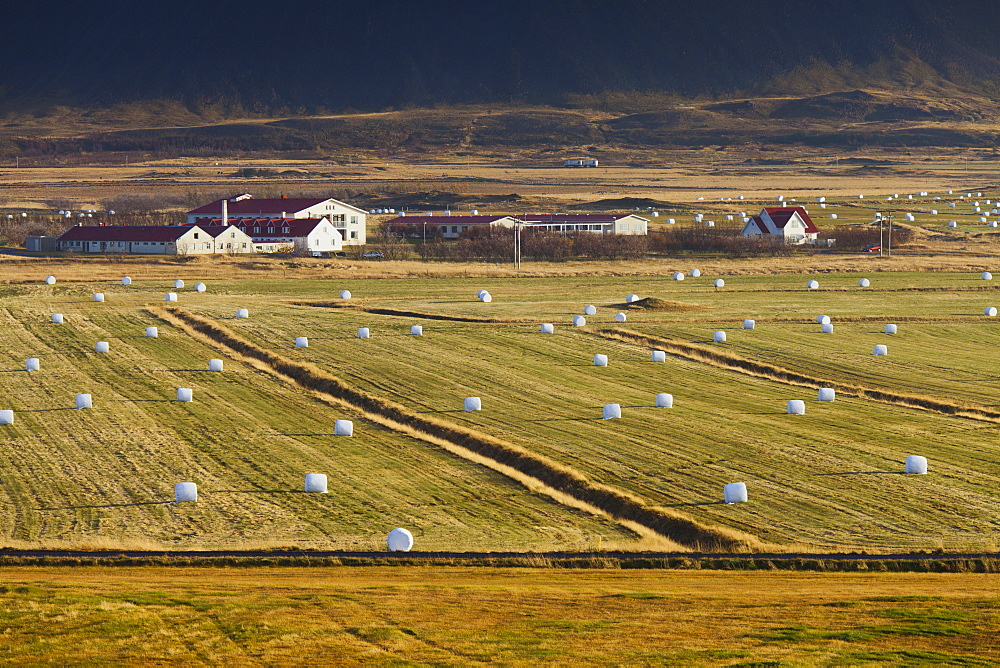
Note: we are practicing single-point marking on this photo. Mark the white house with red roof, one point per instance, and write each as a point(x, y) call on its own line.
point(155, 239)
point(290, 235)
point(449, 227)
point(601, 223)
point(349, 220)
point(792, 223)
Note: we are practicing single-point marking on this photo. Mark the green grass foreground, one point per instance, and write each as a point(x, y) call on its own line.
point(462, 616)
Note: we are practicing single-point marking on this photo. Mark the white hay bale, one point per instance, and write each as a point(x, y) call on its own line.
point(780, 198)
point(678, 276)
point(796, 407)
point(822, 206)
point(612, 411)
point(343, 428)
point(719, 283)
point(215, 365)
point(620, 317)
point(826, 328)
point(749, 324)
point(84, 401)
point(185, 394)
point(916, 464)
point(399, 540)
point(364, 333)
point(101, 347)
point(671, 221)
point(934, 212)
point(664, 400)
point(126, 280)
point(659, 356)
point(600, 360)
point(6, 417)
point(50, 280)
point(881, 349)
point(590, 309)
point(200, 287)
point(178, 284)
point(982, 219)
point(709, 223)
point(827, 394)
point(823, 320)
point(486, 298)
point(953, 224)
point(695, 273)
point(315, 483)
point(729, 216)
point(170, 297)
point(864, 282)
point(301, 341)
point(185, 492)
point(242, 313)
point(57, 318)
point(719, 336)
point(473, 404)
point(32, 364)
point(890, 329)
point(820, 199)
point(416, 330)
point(579, 321)
point(631, 298)
point(986, 276)
point(991, 311)
point(548, 328)
point(833, 216)
point(861, 196)
point(994, 223)
point(98, 296)
point(344, 294)
point(735, 492)
point(812, 285)
point(152, 332)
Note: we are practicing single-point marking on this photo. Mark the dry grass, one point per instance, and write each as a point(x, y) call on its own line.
point(461, 616)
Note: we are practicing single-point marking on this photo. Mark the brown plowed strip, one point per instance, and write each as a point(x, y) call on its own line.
point(512, 460)
point(726, 360)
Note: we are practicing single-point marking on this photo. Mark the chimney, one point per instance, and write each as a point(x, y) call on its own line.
point(225, 212)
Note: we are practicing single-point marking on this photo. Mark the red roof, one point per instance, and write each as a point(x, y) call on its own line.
point(125, 233)
point(215, 230)
point(759, 223)
point(782, 214)
point(574, 217)
point(297, 227)
point(258, 207)
point(451, 220)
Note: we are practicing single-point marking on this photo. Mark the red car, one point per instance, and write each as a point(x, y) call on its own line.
point(871, 248)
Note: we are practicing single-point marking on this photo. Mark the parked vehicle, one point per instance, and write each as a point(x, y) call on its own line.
point(372, 255)
point(871, 248)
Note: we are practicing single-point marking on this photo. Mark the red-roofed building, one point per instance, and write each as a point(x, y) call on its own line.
point(349, 220)
point(602, 223)
point(155, 239)
point(792, 223)
point(287, 235)
point(447, 227)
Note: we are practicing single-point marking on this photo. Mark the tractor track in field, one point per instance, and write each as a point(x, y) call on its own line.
point(725, 360)
point(399, 313)
point(537, 472)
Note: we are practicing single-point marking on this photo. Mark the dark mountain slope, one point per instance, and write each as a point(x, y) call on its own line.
point(307, 56)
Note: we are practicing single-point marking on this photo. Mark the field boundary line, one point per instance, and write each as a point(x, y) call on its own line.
point(539, 473)
point(399, 313)
point(729, 361)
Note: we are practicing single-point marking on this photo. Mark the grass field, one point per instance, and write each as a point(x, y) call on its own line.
point(829, 480)
point(393, 616)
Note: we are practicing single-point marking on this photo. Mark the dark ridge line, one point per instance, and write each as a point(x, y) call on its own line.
point(762, 370)
point(674, 526)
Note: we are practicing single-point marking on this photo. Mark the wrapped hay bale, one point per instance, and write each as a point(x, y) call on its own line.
point(864, 282)
point(32, 364)
point(200, 287)
point(84, 401)
point(991, 311)
point(416, 330)
point(719, 283)
point(749, 324)
point(600, 360)
point(316, 483)
point(631, 298)
point(215, 365)
point(579, 321)
point(664, 400)
point(916, 464)
point(50, 280)
point(185, 492)
point(827, 394)
point(827, 328)
point(242, 313)
point(812, 285)
point(473, 404)
point(986, 276)
point(881, 350)
point(890, 329)
point(823, 319)
point(57, 318)
point(178, 284)
point(620, 317)
point(185, 394)
point(399, 540)
point(152, 332)
point(590, 309)
point(170, 297)
point(735, 492)
point(345, 294)
point(719, 337)
point(126, 280)
point(659, 356)
point(98, 296)
point(678, 276)
point(364, 333)
point(301, 341)
point(695, 273)
point(548, 328)
point(796, 407)
point(612, 411)
point(102, 347)
point(6, 417)
point(343, 428)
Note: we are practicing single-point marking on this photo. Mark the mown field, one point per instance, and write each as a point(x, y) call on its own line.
point(393, 616)
point(830, 480)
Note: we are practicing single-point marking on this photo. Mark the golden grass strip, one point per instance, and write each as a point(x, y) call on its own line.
point(537, 472)
point(729, 361)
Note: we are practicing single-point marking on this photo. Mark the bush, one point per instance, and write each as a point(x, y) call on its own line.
point(855, 237)
point(726, 241)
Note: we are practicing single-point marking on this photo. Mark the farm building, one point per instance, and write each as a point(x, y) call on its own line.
point(603, 223)
point(350, 221)
point(447, 227)
point(581, 162)
point(790, 222)
point(286, 235)
point(41, 244)
point(155, 239)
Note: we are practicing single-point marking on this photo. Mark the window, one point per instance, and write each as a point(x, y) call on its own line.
point(444, 229)
point(454, 229)
point(354, 235)
point(354, 220)
point(285, 230)
point(195, 235)
point(244, 244)
point(270, 230)
point(256, 230)
point(232, 235)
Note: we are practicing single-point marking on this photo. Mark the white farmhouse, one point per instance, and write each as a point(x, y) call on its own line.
point(153, 239)
point(349, 220)
point(287, 235)
point(791, 223)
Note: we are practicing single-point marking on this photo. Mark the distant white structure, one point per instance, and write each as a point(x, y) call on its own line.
point(581, 162)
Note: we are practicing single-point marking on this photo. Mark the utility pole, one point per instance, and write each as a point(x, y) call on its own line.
point(888, 246)
point(881, 242)
point(517, 245)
